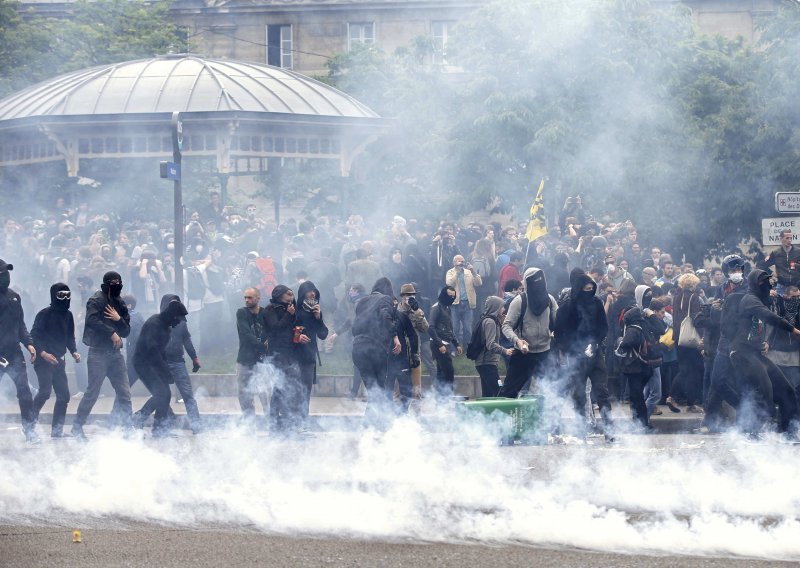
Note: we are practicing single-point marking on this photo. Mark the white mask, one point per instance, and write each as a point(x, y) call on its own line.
point(736, 277)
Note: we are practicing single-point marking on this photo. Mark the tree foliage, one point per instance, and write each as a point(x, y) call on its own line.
point(34, 48)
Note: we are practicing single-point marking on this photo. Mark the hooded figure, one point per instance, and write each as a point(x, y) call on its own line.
point(281, 321)
point(762, 382)
point(486, 362)
point(150, 359)
point(634, 366)
point(444, 344)
point(53, 335)
point(643, 295)
point(528, 323)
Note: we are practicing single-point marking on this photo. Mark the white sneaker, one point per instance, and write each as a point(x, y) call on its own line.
point(78, 394)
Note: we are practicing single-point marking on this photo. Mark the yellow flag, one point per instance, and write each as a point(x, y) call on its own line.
point(537, 225)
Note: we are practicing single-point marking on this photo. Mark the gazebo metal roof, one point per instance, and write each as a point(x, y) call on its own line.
point(232, 110)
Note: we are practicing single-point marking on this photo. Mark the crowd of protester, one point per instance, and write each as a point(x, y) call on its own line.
point(585, 302)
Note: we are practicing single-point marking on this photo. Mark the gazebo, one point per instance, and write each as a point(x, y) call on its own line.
point(239, 113)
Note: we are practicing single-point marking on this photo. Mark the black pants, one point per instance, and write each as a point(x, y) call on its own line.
point(636, 382)
point(690, 363)
point(723, 388)
point(400, 372)
point(582, 367)
point(445, 373)
point(308, 376)
point(288, 395)
point(490, 379)
point(157, 382)
point(372, 362)
point(522, 367)
point(763, 385)
point(52, 378)
point(16, 371)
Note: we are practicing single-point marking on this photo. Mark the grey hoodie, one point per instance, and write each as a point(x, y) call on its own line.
point(534, 329)
point(491, 333)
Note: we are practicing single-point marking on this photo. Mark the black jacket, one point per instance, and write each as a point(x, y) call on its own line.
point(633, 340)
point(280, 326)
point(409, 342)
point(753, 315)
point(375, 316)
point(98, 329)
point(252, 329)
point(53, 331)
point(13, 330)
point(150, 354)
point(581, 320)
point(312, 327)
point(441, 324)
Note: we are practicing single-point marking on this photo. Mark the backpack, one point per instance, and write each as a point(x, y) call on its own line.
point(269, 280)
point(477, 343)
point(216, 282)
point(648, 353)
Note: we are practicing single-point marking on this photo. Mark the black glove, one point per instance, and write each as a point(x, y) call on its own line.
point(195, 365)
point(414, 361)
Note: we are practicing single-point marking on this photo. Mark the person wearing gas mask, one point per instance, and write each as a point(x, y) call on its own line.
point(723, 386)
point(284, 339)
point(13, 332)
point(530, 319)
point(53, 334)
point(579, 331)
point(763, 385)
point(374, 338)
point(410, 306)
point(107, 323)
point(444, 344)
point(312, 324)
point(150, 359)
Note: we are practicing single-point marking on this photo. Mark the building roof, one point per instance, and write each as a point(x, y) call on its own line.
point(181, 83)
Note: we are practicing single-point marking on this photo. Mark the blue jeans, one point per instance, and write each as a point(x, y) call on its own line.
point(462, 322)
point(181, 377)
point(102, 363)
point(652, 391)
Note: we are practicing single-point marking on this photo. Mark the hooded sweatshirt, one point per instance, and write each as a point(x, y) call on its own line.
point(179, 338)
point(312, 327)
point(53, 329)
point(374, 318)
point(753, 315)
point(581, 320)
point(490, 326)
point(280, 325)
point(150, 354)
point(633, 338)
point(539, 317)
point(441, 321)
point(98, 329)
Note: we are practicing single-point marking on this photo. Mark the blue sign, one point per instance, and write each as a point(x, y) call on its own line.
point(173, 171)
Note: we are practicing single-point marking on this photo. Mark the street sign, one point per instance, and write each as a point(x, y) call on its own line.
point(771, 229)
point(787, 202)
point(174, 172)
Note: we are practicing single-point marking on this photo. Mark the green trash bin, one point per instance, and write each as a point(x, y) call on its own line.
point(520, 418)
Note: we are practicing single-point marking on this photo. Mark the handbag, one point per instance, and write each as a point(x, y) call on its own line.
point(689, 336)
point(667, 340)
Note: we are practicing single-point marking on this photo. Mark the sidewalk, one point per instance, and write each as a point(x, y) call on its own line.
point(330, 412)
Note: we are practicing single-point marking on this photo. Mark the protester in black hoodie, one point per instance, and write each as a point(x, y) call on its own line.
point(107, 323)
point(634, 365)
point(309, 318)
point(374, 338)
point(763, 384)
point(284, 338)
point(53, 336)
point(580, 330)
point(150, 359)
point(179, 340)
point(444, 345)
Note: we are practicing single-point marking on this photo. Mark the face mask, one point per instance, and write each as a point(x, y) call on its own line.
point(115, 290)
point(765, 288)
point(198, 249)
point(308, 305)
point(171, 246)
point(353, 295)
point(448, 300)
point(5, 280)
point(736, 277)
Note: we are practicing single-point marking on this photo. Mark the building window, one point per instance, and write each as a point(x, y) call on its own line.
point(279, 46)
point(360, 33)
point(439, 31)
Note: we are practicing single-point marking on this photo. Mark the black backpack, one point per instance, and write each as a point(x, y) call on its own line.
point(477, 343)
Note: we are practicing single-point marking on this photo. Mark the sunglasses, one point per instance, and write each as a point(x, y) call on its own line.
point(63, 295)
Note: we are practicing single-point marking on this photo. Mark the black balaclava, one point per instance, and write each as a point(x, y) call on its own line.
point(60, 305)
point(536, 290)
point(277, 292)
point(759, 284)
point(5, 281)
point(114, 290)
point(446, 299)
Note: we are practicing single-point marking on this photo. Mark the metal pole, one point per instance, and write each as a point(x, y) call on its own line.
point(177, 146)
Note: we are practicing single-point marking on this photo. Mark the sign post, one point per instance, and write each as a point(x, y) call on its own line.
point(787, 202)
point(174, 173)
point(771, 230)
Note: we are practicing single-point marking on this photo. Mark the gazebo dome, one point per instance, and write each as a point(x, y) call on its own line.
point(181, 83)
